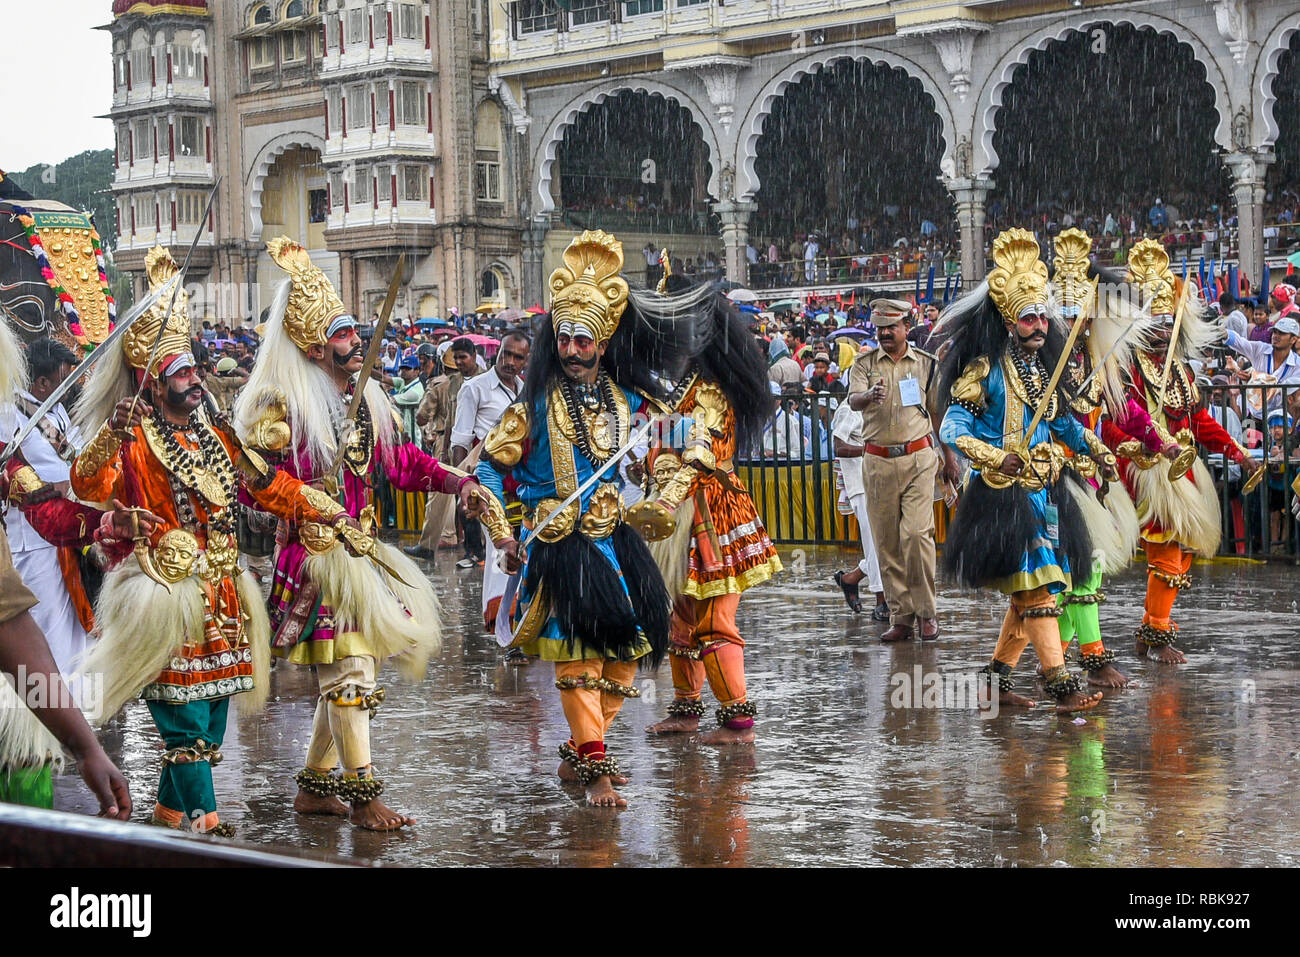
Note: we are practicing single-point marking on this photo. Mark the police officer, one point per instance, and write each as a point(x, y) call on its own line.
point(893, 388)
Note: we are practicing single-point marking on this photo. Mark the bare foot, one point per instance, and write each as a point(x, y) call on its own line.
point(1165, 654)
point(306, 803)
point(1006, 699)
point(374, 815)
point(1107, 677)
point(676, 724)
point(1078, 701)
point(601, 793)
point(725, 735)
point(566, 773)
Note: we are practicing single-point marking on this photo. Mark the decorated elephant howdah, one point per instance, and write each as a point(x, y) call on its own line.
point(53, 280)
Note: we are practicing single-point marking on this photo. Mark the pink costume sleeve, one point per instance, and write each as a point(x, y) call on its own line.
point(1136, 422)
point(413, 470)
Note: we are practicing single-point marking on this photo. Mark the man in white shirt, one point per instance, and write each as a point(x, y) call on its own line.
point(49, 449)
point(479, 407)
point(1275, 357)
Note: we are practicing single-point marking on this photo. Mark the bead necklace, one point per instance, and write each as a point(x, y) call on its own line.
point(578, 406)
point(207, 470)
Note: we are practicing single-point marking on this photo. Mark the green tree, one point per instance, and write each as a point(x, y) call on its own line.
point(82, 182)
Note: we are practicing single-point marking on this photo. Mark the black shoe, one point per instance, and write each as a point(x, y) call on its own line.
point(850, 593)
point(880, 612)
point(419, 551)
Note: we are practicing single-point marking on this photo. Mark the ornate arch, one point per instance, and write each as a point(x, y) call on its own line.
point(1000, 77)
point(544, 158)
point(751, 130)
point(1266, 70)
point(261, 166)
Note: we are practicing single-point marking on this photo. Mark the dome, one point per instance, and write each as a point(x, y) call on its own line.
point(150, 7)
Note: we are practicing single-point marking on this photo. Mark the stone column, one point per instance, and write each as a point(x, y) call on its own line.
point(970, 196)
point(532, 250)
point(348, 286)
point(1248, 169)
point(735, 236)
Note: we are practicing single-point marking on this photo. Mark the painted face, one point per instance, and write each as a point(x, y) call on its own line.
point(1031, 329)
point(578, 351)
point(183, 391)
point(346, 350)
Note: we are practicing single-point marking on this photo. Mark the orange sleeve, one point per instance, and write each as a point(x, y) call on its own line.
point(284, 496)
point(96, 473)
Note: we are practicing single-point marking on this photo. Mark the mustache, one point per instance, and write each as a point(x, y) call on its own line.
point(582, 363)
point(342, 360)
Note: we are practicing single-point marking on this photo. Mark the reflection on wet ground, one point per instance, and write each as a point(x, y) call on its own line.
point(1190, 766)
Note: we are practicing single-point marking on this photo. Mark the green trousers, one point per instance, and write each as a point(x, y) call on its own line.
point(32, 787)
point(185, 793)
point(1079, 619)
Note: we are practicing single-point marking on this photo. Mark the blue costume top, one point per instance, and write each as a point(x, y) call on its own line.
point(535, 475)
point(1044, 562)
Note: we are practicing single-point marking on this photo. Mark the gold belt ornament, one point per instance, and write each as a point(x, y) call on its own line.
point(1042, 467)
point(318, 538)
point(605, 510)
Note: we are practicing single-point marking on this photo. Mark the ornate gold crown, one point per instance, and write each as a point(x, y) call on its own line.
point(313, 304)
point(587, 292)
point(1071, 272)
point(1018, 278)
point(1148, 266)
point(138, 341)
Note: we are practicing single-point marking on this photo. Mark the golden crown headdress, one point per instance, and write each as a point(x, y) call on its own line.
point(587, 292)
point(1070, 275)
point(1148, 267)
point(138, 341)
point(313, 303)
point(1018, 278)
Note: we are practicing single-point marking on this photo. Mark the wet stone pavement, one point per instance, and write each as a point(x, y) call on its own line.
point(1191, 766)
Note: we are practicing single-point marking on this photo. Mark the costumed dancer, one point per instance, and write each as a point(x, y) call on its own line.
point(32, 742)
point(182, 626)
point(50, 566)
point(719, 548)
point(1019, 527)
point(590, 598)
point(1094, 380)
point(327, 611)
point(1178, 504)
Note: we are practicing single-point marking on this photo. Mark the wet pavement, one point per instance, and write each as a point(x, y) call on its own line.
point(1190, 766)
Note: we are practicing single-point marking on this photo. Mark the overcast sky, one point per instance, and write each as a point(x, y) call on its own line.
point(57, 74)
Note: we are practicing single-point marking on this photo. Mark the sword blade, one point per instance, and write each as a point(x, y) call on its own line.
point(377, 338)
point(84, 367)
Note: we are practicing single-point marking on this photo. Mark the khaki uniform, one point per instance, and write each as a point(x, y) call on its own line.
point(15, 597)
point(439, 402)
point(900, 490)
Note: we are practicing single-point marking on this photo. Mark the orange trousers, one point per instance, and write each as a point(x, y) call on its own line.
point(1042, 632)
point(1167, 559)
point(707, 627)
point(590, 711)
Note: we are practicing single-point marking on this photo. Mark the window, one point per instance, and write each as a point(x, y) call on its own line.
point(358, 108)
point(124, 143)
point(410, 25)
point(119, 64)
point(489, 285)
point(187, 63)
point(143, 139)
point(410, 104)
point(381, 106)
point(415, 185)
point(588, 11)
point(690, 3)
point(317, 205)
point(535, 16)
point(381, 22)
point(356, 26)
point(318, 41)
point(262, 14)
point(261, 53)
point(487, 181)
point(384, 179)
point(336, 189)
point(361, 185)
point(143, 210)
point(190, 133)
point(293, 9)
point(333, 101)
point(189, 206)
point(634, 8)
point(140, 66)
point(293, 47)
